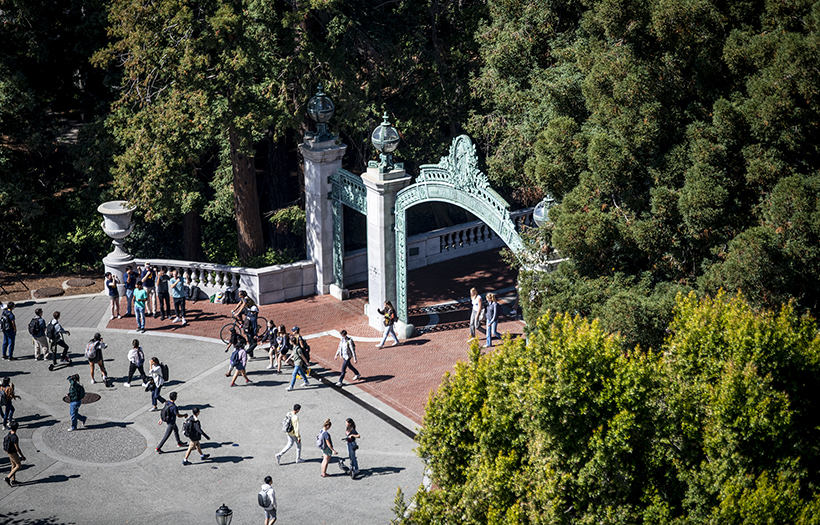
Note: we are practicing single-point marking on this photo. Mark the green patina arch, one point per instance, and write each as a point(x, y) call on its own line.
point(347, 189)
point(455, 180)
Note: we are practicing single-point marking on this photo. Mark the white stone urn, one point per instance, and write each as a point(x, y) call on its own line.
point(117, 225)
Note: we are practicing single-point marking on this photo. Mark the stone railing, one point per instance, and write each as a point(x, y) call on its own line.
point(275, 284)
point(272, 284)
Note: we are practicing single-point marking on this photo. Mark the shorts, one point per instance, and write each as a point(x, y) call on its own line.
point(327, 451)
point(270, 514)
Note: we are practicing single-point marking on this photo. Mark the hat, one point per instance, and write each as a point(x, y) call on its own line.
point(294, 329)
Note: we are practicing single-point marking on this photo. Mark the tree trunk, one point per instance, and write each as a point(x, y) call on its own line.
point(246, 198)
point(192, 236)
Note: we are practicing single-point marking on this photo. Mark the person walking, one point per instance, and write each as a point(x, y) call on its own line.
point(492, 320)
point(169, 415)
point(283, 347)
point(351, 435)
point(56, 336)
point(130, 281)
point(140, 297)
point(269, 338)
point(390, 318)
point(7, 397)
point(195, 433)
point(267, 500)
point(93, 352)
point(148, 279)
point(239, 360)
point(76, 393)
point(297, 357)
point(156, 384)
point(111, 282)
point(37, 329)
point(163, 296)
point(475, 313)
point(11, 444)
point(294, 436)
point(9, 327)
point(347, 351)
point(177, 285)
point(136, 359)
point(327, 446)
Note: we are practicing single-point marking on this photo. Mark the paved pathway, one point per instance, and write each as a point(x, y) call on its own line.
point(134, 484)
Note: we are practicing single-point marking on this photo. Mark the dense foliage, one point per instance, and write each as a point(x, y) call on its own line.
point(718, 426)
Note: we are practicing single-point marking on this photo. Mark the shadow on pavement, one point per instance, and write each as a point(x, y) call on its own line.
point(45, 421)
point(228, 459)
point(54, 478)
point(379, 471)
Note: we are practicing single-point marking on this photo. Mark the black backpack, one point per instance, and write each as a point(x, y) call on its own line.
point(5, 322)
point(166, 414)
point(186, 427)
point(6, 442)
point(34, 327)
point(51, 331)
point(164, 368)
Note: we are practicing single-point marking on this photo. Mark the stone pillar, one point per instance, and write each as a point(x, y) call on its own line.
point(382, 186)
point(322, 159)
point(117, 225)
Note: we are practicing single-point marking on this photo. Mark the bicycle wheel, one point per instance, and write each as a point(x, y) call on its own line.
point(261, 325)
point(225, 333)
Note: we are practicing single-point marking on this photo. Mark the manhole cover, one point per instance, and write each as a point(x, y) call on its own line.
point(79, 283)
point(89, 398)
point(49, 291)
point(96, 441)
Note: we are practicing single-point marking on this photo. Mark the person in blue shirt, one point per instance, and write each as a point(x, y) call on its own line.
point(178, 292)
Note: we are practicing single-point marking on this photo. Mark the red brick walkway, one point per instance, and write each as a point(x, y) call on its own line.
point(401, 376)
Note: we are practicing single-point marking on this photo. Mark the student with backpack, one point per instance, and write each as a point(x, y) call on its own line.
point(192, 429)
point(390, 319)
point(11, 445)
point(325, 444)
point(7, 397)
point(169, 415)
point(291, 427)
point(37, 330)
point(155, 385)
point(136, 358)
point(9, 327)
point(347, 351)
point(239, 360)
point(56, 336)
point(267, 500)
point(297, 357)
point(93, 352)
point(76, 393)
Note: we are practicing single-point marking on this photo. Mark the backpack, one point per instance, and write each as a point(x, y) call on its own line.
point(166, 414)
point(91, 350)
point(186, 427)
point(263, 499)
point(34, 327)
point(393, 316)
point(287, 424)
point(51, 331)
point(5, 323)
point(7, 442)
point(234, 357)
point(320, 440)
point(164, 369)
point(305, 348)
point(193, 293)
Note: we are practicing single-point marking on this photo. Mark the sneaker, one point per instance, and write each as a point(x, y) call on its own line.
point(154, 409)
point(92, 381)
point(233, 384)
point(203, 457)
point(83, 420)
point(248, 381)
point(69, 429)
point(186, 462)
point(162, 318)
point(127, 385)
point(379, 346)
point(175, 320)
point(156, 315)
point(357, 376)
point(288, 389)
point(300, 460)
point(8, 481)
point(305, 383)
point(144, 385)
point(184, 322)
point(278, 457)
point(183, 444)
point(395, 343)
point(270, 367)
point(228, 374)
point(112, 318)
point(338, 383)
point(119, 317)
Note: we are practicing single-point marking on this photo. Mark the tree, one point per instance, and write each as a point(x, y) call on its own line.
point(197, 74)
point(718, 426)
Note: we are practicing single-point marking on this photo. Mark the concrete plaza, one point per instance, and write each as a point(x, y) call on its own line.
point(108, 472)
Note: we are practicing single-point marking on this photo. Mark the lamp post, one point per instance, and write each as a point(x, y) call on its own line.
point(224, 515)
point(320, 109)
point(540, 215)
point(385, 139)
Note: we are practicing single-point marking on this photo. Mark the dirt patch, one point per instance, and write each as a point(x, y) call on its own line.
point(48, 291)
point(18, 286)
point(77, 283)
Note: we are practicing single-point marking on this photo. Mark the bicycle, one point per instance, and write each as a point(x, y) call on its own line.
point(235, 327)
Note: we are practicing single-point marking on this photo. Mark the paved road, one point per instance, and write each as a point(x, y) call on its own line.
point(109, 472)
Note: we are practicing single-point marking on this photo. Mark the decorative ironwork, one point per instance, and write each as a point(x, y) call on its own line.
point(455, 180)
point(346, 189)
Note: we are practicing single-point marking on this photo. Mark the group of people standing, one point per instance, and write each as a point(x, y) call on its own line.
point(148, 292)
point(481, 312)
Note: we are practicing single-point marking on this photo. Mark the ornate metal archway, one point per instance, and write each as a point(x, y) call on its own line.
point(455, 180)
point(347, 190)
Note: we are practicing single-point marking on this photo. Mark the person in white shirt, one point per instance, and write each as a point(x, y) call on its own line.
point(294, 436)
point(270, 510)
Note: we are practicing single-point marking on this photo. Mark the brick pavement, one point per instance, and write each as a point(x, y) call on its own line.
point(401, 377)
